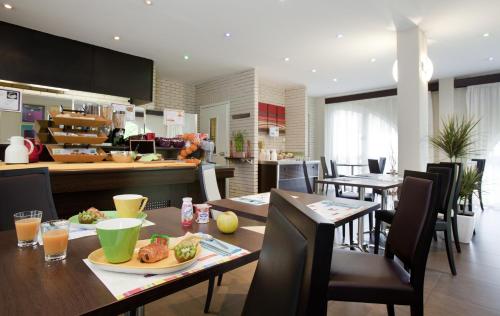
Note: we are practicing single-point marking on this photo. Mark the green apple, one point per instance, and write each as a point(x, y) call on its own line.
point(227, 222)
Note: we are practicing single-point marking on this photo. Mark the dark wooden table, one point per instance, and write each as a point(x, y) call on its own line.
point(260, 212)
point(30, 286)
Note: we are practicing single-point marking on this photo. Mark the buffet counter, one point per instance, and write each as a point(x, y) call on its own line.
point(76, 187)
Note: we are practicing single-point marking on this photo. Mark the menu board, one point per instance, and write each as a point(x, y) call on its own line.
point(10, 100)
point(129, 110)
point(173, 117)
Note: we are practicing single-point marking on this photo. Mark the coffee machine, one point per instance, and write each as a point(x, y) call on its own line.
point(117, 135)
point(209, 147)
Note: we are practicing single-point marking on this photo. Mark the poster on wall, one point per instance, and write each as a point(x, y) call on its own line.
point(129, 110)
point(32, 113)
point(173, 117)
point(10, 100)
point(27, 131)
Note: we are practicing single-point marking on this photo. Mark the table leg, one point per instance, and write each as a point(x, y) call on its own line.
point(361, 240)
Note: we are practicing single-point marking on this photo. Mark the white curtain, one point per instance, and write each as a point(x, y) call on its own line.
point(358, 130)
point(483, 103)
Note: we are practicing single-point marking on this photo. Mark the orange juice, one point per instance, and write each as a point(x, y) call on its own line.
point(27, 228)
point(55, 241)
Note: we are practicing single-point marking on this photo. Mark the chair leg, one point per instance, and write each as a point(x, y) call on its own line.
point(370, 221)
point(327, 189)
point(449, 251)
point(219, 280)
point(435, 236)
point(455, 232)
point(377, 238)
point(417, 309)
point(351, 235)
point(470, 202)
point(343, 233)
point(479, 191)
point(210, 291)
point(390, 310)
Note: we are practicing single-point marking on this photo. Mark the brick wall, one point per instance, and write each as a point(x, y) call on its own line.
point(241, 91)
point(273, 94)
point(175, 95)
point(311, 131)
point(296, 120)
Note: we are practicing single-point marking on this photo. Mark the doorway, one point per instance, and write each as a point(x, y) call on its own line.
point(214, 121)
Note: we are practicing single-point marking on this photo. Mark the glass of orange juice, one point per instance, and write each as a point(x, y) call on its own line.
point(27, 226)
point(55, 239)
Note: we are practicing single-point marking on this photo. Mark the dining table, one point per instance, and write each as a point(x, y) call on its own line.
point(382, 182)
point(69, 287)
point(352, 166)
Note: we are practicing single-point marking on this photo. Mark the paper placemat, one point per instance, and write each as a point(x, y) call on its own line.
point(257, 229)
point(255, 199)
point(123, 285)
point(333, 211)
point(75, 233)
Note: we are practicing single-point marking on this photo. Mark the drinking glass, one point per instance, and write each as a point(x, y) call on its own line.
point(27, 226)
point(55, 239)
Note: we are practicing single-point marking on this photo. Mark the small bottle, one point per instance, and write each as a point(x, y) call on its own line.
point(187, 212)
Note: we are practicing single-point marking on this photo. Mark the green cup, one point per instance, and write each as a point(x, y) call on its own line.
point(118, 237)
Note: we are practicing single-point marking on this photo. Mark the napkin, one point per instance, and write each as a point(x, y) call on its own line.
point(219, 247)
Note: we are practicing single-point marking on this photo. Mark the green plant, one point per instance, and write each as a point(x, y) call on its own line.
point(239, 141)
point(470, 181)
point(455, 138)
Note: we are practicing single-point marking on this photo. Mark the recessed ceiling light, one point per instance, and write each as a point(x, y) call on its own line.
point(335, 80)
point(287, 59)
point(313, 70)
point(116, 38)
point(491, 59)
point(148, 2)
point(340, 35)
point(186, 57)
point(373, 60)
point(486, 34)
point(8, 6)
point(227, 34)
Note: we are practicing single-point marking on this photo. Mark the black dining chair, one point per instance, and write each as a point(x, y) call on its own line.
point(459, 174)
point(25, 190)
point(369, 278)
point(292, 273)
point(480, 165)
point(326, 173)
point(374, 166)
point(209, 192)
point(381, 163)
point(309, 187)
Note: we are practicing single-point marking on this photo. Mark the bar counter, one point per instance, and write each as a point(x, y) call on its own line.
point(76, 187)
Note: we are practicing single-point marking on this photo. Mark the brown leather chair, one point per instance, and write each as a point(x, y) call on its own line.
point(24, 190)
point(369, 278)
point(294, 264)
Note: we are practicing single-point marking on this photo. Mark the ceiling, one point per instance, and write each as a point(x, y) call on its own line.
point(264, 32)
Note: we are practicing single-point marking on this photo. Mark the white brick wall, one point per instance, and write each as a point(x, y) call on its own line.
point(273, 94)
point(175, 95)
point(296, 120)
point(241, 91)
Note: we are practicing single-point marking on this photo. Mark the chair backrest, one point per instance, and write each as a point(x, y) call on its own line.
point(208, 182)
point(413, 224)
point(459, 174)
point(374, 166)
point(335, 170)
point(324, 168)
point(381, 163)
point(480, 165)
point(309, 187)
point(25, 190)
point(447, 180)
point(294, 265)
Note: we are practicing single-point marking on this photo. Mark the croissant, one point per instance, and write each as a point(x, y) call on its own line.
point(153, 252)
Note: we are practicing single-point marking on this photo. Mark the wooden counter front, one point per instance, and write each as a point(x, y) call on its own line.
point(76, 187)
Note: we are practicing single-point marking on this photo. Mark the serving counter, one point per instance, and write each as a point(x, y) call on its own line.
point(76, 187)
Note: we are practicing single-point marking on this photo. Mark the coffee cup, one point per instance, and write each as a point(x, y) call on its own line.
point(118, 237)
point(129, 205)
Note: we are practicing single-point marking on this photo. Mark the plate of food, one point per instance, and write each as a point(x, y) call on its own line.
point(158, 255)
point(88, 218)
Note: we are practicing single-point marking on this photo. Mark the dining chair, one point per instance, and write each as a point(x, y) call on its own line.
point(292, 273)
point(381, 163)
point(480, 165)
point(326, 173)
point(25, 190)
point(209, 192)
point(374, 166)
point(443, 206)
point(369, 278)
point(459, 173)
point(309, 188)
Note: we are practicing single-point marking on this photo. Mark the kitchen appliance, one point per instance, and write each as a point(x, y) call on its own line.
point(209, 147)
point(17, 152)
point(37, 149)
point(119, 128)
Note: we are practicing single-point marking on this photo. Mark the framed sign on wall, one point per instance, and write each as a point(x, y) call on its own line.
point(10, 100)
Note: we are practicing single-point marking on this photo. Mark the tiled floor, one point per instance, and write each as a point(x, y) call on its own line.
point(474, 291)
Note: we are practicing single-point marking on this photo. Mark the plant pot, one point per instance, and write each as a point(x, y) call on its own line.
point(239, 154)
point(466, 225)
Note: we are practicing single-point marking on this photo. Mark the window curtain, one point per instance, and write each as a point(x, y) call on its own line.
point(483, 103)
point(358, 130)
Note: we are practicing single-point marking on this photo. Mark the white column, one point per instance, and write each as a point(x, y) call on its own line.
point(446, 105)
point(413, 112)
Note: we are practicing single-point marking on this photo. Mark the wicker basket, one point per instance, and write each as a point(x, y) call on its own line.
point(77, 157)
point(80, 120)
point(101, 137)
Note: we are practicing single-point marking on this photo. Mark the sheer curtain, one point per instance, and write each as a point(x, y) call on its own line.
point(358, 130)
point(483, 102)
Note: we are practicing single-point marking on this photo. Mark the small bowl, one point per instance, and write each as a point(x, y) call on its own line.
point(123, 156)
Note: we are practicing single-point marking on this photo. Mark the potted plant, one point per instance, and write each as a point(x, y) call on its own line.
point(466, 221)
point(239, 145)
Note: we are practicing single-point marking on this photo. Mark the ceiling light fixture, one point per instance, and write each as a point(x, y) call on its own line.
point(8, 6)
point(116, 38)
point(186, 57)
point(335, 80)
point(148, 2)
point(426, 69)
point(227, 34)
point(491, 59)
point(373, 60)
point(287, 59)
point(340, 35)
point(313, 70)
point(486, 35)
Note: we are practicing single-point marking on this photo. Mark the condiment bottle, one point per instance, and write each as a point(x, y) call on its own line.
point(187, 212)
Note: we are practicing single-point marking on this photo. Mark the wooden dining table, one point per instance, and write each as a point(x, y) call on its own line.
point(31, 286)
